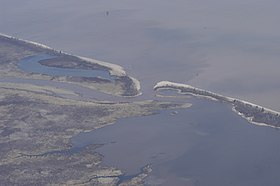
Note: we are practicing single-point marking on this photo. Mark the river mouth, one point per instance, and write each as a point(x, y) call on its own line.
point(206, 144)
point(196, 44)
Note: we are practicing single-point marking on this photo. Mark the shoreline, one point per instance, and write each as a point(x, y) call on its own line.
point(113, 69)
point(253, 113)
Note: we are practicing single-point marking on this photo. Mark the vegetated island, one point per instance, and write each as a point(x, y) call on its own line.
point(255, 114)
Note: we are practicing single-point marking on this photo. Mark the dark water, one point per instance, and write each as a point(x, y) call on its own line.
point(31, 64)
point(206, 144)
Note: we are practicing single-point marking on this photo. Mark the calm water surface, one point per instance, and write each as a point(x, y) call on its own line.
point(228, 47)
point(208, 44)
point(206, 144)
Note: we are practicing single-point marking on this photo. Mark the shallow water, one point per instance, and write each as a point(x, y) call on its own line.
point(83, 92)
point(206, 144)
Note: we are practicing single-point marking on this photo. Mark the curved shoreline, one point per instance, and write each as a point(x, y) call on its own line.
point(114, 70)
point(253, 113)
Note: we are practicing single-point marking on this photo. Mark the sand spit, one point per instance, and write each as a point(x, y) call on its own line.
point(253, 113)
point(114, 70)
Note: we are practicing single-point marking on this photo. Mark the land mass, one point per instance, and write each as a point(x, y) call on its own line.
point(13, 50)
point(39, 115)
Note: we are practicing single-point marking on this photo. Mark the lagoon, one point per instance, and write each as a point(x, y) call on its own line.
point(32, 64)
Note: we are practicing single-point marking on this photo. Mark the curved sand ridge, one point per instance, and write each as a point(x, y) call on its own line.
point(255, 114)
point(114, 70)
